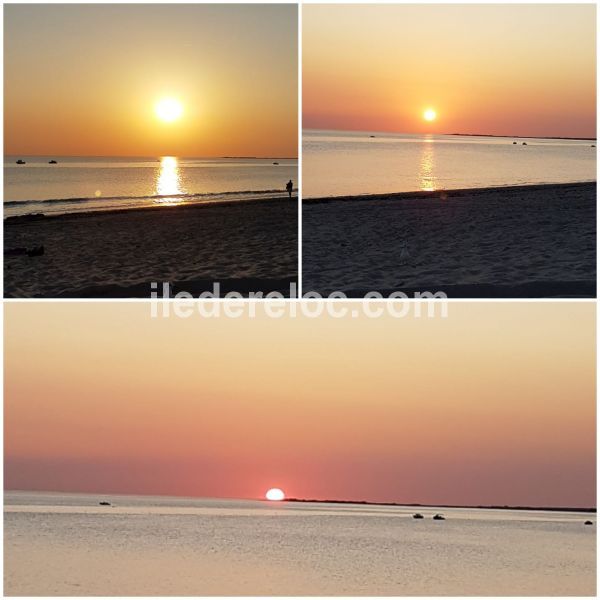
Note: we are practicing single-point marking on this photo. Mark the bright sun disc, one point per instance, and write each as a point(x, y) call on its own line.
point(168, 109)
point(275, 494)
point(429, 114)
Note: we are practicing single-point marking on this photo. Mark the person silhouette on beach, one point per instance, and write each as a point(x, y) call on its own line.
point(289, 187)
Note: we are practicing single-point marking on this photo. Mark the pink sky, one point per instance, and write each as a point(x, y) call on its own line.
point(501, 69)
point(493, 405)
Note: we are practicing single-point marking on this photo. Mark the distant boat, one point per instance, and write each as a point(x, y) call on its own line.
point(21, 162)
point(52, 162)
point(418, 516)
point(439, 518)
point(104, 503)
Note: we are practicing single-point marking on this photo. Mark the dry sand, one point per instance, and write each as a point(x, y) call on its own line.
point(526, 241)
point(246, 246)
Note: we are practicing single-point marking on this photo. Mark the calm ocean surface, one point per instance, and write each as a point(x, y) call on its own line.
point(66, 544)
point(85, 184)
point(338, 163)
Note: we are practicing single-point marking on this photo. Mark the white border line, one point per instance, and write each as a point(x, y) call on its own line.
point(299, 149)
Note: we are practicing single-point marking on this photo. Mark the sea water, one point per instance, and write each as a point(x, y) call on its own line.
point(338, 163)
point(67, 544)
point(77, 184)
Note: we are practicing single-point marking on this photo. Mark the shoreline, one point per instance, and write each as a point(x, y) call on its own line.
point(190, 205)
point(451, 192)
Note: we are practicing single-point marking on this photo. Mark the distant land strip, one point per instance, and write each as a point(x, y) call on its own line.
point(416, 505)
point(530, 137)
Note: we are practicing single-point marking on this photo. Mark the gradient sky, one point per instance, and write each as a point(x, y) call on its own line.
point(493, 405)
point(524, 70)
point(83, 79)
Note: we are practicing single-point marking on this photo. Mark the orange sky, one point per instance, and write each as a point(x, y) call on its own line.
point(507, 69)
point(84, 79)
point(493, 405)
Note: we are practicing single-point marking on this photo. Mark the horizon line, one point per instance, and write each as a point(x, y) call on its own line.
point(590, 509)
point(157, 156)
point(530, 137)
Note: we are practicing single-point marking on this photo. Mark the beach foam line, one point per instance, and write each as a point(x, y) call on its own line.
point(189, 196)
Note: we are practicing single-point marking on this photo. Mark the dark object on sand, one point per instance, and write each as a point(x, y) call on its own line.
point(36, 251)
point(524, 143)
point(21, 251)
point(589, 523)
point(104, 503)
point(372, 136)
point(439, 518)
point(514, 142)
point(275, 163)
point(21, 162)
point(418, 516)
point(15, 251)
point(593, 145)
point(52, 162)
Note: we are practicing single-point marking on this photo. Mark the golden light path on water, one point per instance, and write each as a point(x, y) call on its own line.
point(168, 181)
point(426, 167)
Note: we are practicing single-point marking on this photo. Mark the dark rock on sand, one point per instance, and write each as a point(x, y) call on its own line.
point(36, 251)
point(439, 518)
point(52, 162)
point(21, 251)
point(15, 251)
point(418, 516)
point(589, 523)
point(21, 162)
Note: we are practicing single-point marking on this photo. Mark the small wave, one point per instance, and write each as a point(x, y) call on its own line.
point(193, 196)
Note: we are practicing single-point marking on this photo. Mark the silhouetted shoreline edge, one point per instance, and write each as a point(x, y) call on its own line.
point(417, 505)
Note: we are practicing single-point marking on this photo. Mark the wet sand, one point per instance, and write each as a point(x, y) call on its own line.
point(506, 242)
point(247, 246)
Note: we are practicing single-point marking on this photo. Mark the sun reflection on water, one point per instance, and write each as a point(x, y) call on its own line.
point(168, 182)
point(426, 171)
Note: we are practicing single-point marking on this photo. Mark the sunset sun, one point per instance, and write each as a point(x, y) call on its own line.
point(168, 109)
point(430, 114)
point(275, 494)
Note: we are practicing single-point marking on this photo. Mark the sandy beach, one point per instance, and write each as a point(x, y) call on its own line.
point(521, 241)
point(247, 246)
